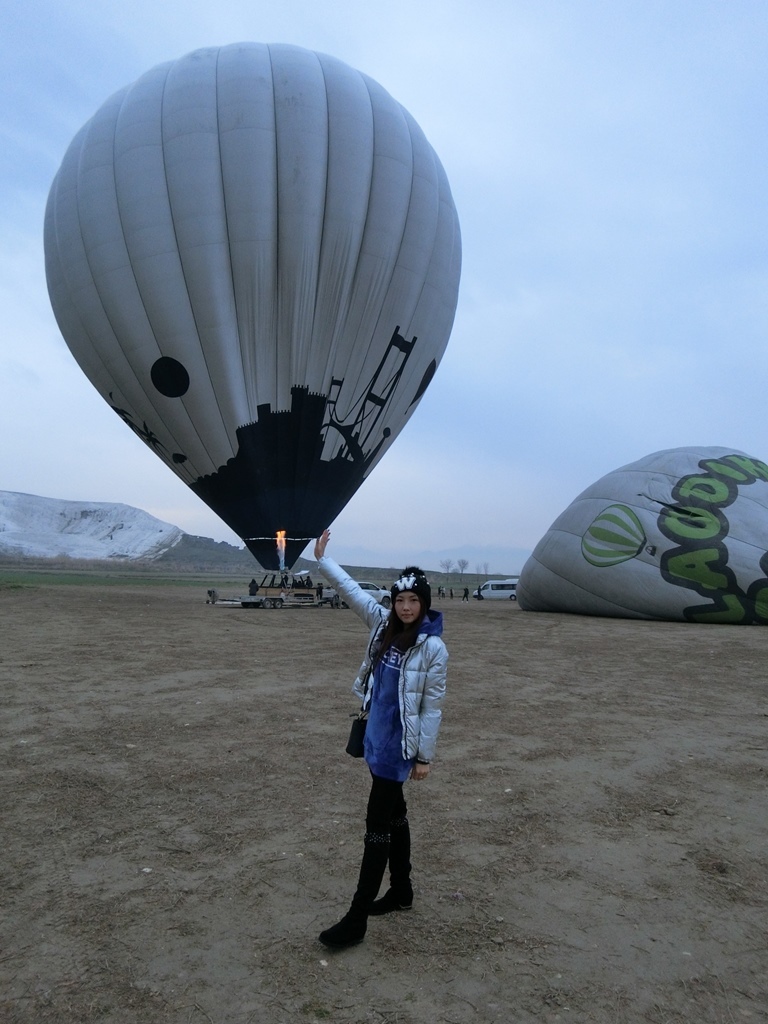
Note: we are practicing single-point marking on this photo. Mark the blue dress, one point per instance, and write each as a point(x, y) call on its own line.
point(384, 732)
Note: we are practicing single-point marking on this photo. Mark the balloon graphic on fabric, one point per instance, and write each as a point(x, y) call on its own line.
point(254, 256)
point(616, 535)
point(680, 535)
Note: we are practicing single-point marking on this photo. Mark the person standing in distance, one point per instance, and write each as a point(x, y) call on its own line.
point(401, 684)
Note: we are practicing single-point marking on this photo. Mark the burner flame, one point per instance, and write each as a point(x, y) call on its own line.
point(280, 541)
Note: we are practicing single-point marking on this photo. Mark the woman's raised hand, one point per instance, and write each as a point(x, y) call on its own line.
point(322, 543)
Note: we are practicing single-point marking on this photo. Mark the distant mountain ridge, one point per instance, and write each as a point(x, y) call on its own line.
point(47, 528)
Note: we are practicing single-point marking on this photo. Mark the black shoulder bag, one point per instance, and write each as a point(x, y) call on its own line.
point(357, 733)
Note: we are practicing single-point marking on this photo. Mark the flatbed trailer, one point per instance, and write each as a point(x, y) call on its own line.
point(280, 590)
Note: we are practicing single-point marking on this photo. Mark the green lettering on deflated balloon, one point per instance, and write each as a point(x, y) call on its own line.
point(719, 467)
point(697, 566)
point(705, 488)
point(690, 523)
point(754, 468)
point(729, 609)
point(760, 598)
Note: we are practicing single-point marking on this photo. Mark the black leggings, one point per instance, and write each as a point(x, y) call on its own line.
point(386, 806)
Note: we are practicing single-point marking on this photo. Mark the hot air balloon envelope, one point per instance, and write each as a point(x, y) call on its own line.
point(679, 535)
point(253, 254)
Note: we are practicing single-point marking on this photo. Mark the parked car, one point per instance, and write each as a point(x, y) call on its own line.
point(497, 590)
point(329, 597)
point(381, 594)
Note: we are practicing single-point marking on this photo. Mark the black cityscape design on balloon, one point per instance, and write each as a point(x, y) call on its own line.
point(278, 480)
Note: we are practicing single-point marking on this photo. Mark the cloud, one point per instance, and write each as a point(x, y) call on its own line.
point(608, 166)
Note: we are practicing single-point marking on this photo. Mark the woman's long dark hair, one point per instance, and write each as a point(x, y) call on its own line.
point(396, 632)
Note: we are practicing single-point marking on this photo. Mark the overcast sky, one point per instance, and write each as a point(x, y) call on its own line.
point(608, 162)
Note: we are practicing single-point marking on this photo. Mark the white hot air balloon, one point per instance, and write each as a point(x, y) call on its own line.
point(681, 535)
point(254, 256)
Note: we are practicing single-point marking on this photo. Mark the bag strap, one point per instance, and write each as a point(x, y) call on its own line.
point(367, 688)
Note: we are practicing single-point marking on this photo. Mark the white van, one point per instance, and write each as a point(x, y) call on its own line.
point(497, 590)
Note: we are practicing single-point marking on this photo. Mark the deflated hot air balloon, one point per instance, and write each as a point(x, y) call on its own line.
point(680, 535)
point(254, 256)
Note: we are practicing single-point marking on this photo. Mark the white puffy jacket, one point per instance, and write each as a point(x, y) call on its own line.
point(422, 671)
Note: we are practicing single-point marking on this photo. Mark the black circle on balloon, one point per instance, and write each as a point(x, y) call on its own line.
point(170, 377)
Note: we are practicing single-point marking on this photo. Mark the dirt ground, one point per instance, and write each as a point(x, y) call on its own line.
point(180, 820)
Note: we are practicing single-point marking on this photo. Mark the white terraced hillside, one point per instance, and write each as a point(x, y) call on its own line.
point(49, 527)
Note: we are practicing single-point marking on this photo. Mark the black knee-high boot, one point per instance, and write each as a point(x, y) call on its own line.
point(399, 896)
point(351, 928)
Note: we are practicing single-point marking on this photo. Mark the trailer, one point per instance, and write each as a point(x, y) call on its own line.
point(280, 590)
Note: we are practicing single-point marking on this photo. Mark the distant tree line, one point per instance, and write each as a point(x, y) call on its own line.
point(461, 564)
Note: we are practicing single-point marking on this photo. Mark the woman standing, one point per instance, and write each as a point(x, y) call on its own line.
point(401, 684)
